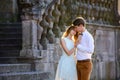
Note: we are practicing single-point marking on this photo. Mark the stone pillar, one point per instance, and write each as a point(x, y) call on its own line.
point(119, 7)
point(29, 47)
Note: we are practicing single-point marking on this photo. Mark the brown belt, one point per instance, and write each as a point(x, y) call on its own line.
point(86, 60)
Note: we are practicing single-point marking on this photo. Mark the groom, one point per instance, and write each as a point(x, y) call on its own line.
point(85, 49)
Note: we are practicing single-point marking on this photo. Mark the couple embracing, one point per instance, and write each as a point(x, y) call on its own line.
point(78, 46)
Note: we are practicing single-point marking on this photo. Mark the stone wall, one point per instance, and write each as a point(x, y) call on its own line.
point(118, 53)
point(53, 16)
point(44, 21)
point(104, 57)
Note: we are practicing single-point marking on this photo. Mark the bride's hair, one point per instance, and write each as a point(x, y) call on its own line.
point(66, 33)
point(75, 37)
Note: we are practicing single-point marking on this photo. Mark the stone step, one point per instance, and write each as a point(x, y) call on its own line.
point(7, 68)
point(7, 25)
point(10, 33)
point(3, 27)
point(10, 47)
point(26, 76)
point(9, 53)
point(15, 60)
point(10, 39)
point(17, 27)
point(7, 39)
point(10, 29)
point(2, 42)
point(8, 60)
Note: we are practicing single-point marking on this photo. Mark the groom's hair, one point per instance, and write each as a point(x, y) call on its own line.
point(78, 21)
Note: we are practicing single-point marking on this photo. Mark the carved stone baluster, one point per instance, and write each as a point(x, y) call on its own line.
point(84, 9)
point(97, 11)
point(62, 19)
point(111, 12)
point(107, 13)
point(68, 9)
point(45, 25)
point(50, 35)
point(93, 12)
point(89, 8)
point(104, 10)
point(56, 30)
point(80, 7)
point(100, 14)
point(56, 13)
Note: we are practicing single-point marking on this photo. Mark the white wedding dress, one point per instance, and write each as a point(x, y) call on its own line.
point(66, 69)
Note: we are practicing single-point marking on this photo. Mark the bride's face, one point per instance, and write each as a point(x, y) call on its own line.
point(73, 32)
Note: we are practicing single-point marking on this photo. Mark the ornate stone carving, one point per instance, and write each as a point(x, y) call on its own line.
point(33, 11)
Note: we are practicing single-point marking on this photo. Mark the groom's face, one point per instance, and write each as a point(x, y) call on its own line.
point(80, 28)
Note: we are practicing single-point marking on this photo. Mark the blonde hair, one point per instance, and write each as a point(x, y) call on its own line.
point(66, 33)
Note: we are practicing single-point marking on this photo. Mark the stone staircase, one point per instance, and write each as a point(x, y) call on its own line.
point(12, 66)
point(10, 42)
point(21, 72)
point(10, 39)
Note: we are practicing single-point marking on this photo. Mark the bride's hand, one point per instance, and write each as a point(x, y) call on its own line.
point(76, 43)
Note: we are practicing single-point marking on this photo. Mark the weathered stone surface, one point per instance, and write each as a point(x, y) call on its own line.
point(5, 68)
point(25, 76)
point(105, 56)
point(104, 66)
point(30, 43)
point(21, 72)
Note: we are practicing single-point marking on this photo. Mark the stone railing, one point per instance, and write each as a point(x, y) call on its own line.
point(53, 16)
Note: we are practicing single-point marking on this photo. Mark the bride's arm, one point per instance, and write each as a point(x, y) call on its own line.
point(63, 44)
point(77, 41)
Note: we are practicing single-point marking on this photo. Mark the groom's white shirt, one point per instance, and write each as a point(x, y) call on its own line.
point(86, 46)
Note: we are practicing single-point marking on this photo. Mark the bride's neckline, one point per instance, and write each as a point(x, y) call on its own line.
point(69, 38)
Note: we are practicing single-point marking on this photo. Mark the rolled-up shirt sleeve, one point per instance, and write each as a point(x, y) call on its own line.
point(89, 48)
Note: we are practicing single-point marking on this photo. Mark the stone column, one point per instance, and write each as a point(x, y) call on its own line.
point(29, 46)
point(119, 7)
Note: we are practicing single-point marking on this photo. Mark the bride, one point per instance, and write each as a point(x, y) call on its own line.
point(66, 69)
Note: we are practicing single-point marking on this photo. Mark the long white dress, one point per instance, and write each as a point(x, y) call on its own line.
point(66, 69)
